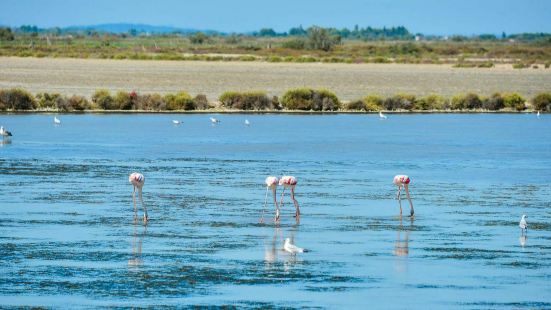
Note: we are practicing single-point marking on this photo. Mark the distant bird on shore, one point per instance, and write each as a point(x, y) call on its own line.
point(291, 248)
point(289, 182)
point(56, 120)
point(176, 122)
point(403, 181)
point(523, 225)
point(247, 123)
point(138, 180)
point(271, 183)
point(382, 116)
point(214, 120)
point(4, 133)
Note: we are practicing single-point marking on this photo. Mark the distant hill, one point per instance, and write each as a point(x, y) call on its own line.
point(120, 28)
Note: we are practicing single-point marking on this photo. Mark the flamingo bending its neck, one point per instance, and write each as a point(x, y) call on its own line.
point(138, 180)
point(290, 182)
point(403, 181)
point(271, 183)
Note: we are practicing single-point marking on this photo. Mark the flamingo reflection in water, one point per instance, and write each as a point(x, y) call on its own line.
point(137, 242)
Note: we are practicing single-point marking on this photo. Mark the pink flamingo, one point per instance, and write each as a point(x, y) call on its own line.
point(271, 183)
point(138, 180)
point(290, 182)
point(403, 181)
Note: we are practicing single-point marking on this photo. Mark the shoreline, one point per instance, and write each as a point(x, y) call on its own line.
point(290, 112)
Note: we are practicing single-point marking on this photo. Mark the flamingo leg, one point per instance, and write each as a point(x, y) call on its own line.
point(264, 208)
point(399, 199)
point(274, 194)
point(282, 194)
point(297, 208)
point(145, 217)
point(409, 198)
point(134, 202)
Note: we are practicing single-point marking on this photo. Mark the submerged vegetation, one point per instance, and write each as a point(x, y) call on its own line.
point(300, 99)
point(314, 44)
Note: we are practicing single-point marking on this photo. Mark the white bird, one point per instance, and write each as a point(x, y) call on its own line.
point(381, 115)
point(176, 122)
point(538, 114)
point(4, 133)
point(214, 120)
point(56, 120)
point(523, 225)
point(291, 248)
point(247, 122)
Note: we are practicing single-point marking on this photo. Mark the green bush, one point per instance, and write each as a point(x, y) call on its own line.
point(520, 66)
point(16, 99)
point(399, 101)
point(296, 44)
point(201, 102)
point(514, 101)
point(102, 99)
point(298, 99)
point(310, 99)
point(493, 103)
point(542, 102)
point(124, 100)
point(373, 103)
point(355, 105)
point(179, 101)
point(431, 102)
point(469, 101)
point(486, 64)
point(245, 101)
point(78, 103)
point(198, 38)
point(325, 100)
point(48, 100)
point(150, 102)
point(274, 59)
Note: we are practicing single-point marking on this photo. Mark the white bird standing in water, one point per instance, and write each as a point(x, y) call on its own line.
point(291, 248)
point(176, 122)
point(4, 133)
point(247, 123)
point(523, 225)
point(381, 115)
point(56, 120)
point(538, 113)
point(214, 120)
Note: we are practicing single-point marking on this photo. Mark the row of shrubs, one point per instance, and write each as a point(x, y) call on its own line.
point(304, 99)
point(18, 99)
point(272, 58)
point(470, 101)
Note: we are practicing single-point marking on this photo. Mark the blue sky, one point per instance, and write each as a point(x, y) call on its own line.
point(425, 16)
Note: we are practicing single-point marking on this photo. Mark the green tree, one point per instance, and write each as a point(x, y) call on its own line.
point(320, 39)
point(542, 102)
point(6, 34)
point(198, 38)
point(267, 32)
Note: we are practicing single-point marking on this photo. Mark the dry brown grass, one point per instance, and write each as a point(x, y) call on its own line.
point(349, 81)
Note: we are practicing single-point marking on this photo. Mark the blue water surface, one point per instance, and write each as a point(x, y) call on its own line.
point(68, 237)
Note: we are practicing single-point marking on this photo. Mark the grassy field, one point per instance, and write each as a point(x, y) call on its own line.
point(279, 49)
point(348, 81)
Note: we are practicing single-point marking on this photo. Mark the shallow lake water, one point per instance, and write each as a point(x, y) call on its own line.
point(68, 238)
